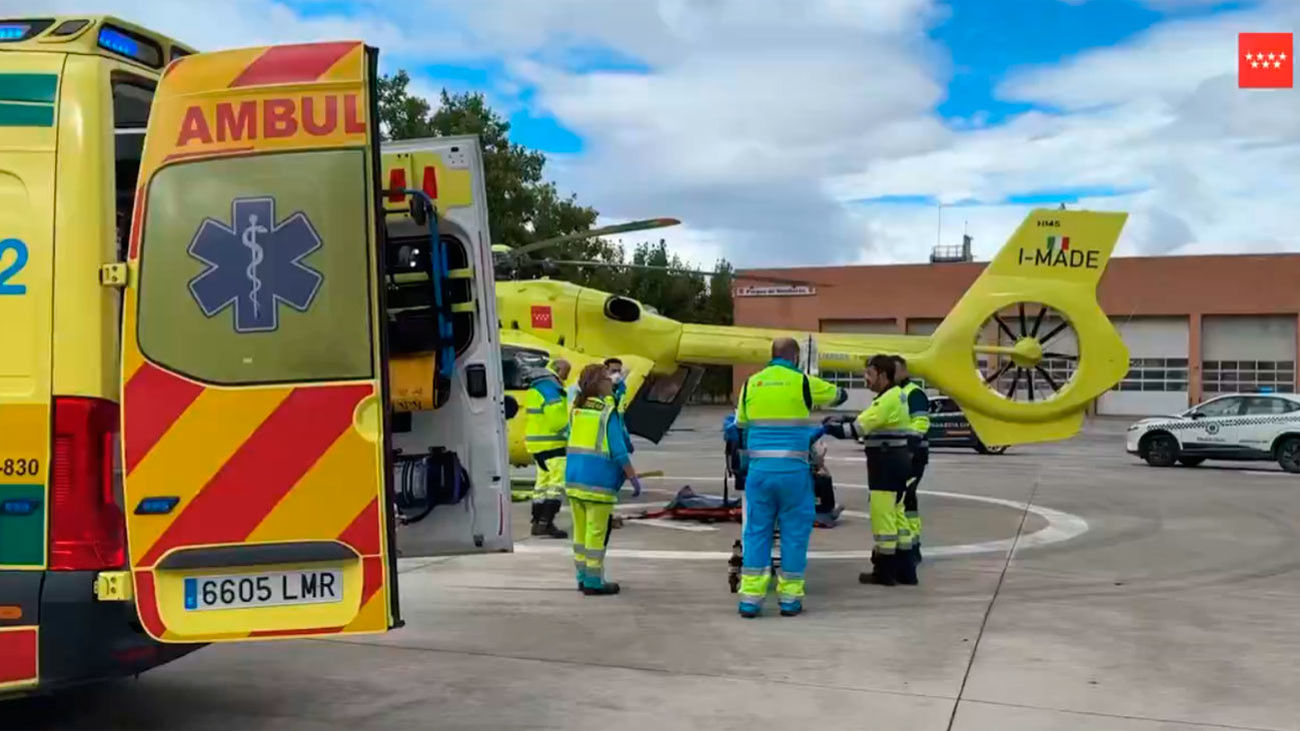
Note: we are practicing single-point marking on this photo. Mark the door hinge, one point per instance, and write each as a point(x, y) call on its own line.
point(113, 586)
point(113, 275)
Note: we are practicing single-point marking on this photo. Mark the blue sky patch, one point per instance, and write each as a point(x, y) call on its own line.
point(986, 40)
point(1070, 195)
point(586, 58)
point(897, 200)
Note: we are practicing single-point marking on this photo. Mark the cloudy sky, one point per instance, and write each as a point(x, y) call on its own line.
point(807, 132)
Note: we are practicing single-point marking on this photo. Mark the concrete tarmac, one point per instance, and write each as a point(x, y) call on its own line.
point(1123, 597)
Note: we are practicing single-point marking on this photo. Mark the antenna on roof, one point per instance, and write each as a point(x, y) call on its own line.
point(945, 254)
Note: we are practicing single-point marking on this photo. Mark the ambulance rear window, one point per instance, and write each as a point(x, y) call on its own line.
point(249, 275)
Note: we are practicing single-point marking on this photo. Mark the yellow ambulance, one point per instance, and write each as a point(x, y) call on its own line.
point(202, 297)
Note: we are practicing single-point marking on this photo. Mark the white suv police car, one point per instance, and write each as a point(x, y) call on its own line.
point(1253, 426)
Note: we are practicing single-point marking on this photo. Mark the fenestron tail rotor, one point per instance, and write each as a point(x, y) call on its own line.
point(1028, 352)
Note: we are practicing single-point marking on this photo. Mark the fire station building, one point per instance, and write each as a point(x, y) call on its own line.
point(1195, 326)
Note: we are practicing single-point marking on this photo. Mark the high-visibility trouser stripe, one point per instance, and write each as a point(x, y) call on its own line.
point(789, 586)
point(886, 543)
point(535, 411)
point(753, 584)
point(595, 563)
point(874, 443)
point(904, 538)
point(912, 514)
point(592, 488)
point(775, 453)
point(781, 422)
point(557, 438)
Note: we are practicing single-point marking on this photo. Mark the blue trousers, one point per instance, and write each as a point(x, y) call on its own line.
point(770, 497)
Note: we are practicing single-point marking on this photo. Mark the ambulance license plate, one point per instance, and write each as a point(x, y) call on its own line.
point(274, 588)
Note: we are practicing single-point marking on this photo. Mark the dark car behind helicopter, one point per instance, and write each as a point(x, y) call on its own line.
point(949, 427)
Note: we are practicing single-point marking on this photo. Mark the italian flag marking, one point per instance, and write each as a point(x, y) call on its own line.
point(1062, 241)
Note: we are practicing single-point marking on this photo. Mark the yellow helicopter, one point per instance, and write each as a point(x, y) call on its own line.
point(1022, 384)
point(1016, 385)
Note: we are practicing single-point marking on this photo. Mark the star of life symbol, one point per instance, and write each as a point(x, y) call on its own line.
point(255, 264)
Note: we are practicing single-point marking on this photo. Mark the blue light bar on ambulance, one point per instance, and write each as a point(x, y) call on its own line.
point(134, 47)
point(20, 29)
point(13, 31)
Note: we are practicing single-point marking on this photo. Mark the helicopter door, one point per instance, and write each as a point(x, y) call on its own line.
point(254, 429)
point(659, 401)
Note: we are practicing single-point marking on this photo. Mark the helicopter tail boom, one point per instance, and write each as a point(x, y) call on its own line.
point(1024, 352)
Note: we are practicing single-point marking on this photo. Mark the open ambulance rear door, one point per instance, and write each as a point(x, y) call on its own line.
point(448, 391)
point(255, 427)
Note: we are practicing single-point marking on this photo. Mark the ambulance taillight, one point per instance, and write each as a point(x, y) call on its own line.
point(86, 523)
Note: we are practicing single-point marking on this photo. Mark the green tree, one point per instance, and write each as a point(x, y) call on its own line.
point(522, 205)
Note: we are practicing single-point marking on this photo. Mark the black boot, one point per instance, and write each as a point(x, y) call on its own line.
point(550, 509)
point(605, 589)
point(883, 570)
point(906, 569)
point(539, 525)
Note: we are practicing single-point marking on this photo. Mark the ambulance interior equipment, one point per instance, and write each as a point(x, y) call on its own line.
point(449, 405)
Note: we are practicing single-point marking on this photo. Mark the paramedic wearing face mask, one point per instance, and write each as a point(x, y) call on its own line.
point(614, 367)
point(596, 468)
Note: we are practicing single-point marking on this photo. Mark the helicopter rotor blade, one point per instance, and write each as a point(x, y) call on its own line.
point(677, 270)
point(617, 228)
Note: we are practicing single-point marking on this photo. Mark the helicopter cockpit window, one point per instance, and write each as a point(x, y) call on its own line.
point(664, 390)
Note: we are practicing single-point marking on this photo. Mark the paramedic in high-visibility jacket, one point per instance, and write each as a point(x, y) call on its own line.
point(545, 434)
point(884, 428)
point(918, 410)
point(597, 464)
point(774, 409)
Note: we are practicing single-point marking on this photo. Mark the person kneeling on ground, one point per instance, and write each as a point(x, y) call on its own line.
point(597, 464)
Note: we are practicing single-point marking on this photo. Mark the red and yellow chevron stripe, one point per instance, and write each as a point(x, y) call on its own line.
point(252, 464)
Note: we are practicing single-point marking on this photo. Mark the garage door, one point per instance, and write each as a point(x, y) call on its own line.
point(1157, 378)
point(1243, 353)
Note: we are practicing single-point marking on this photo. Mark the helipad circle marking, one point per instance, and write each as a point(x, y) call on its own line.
point(1061, 526)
